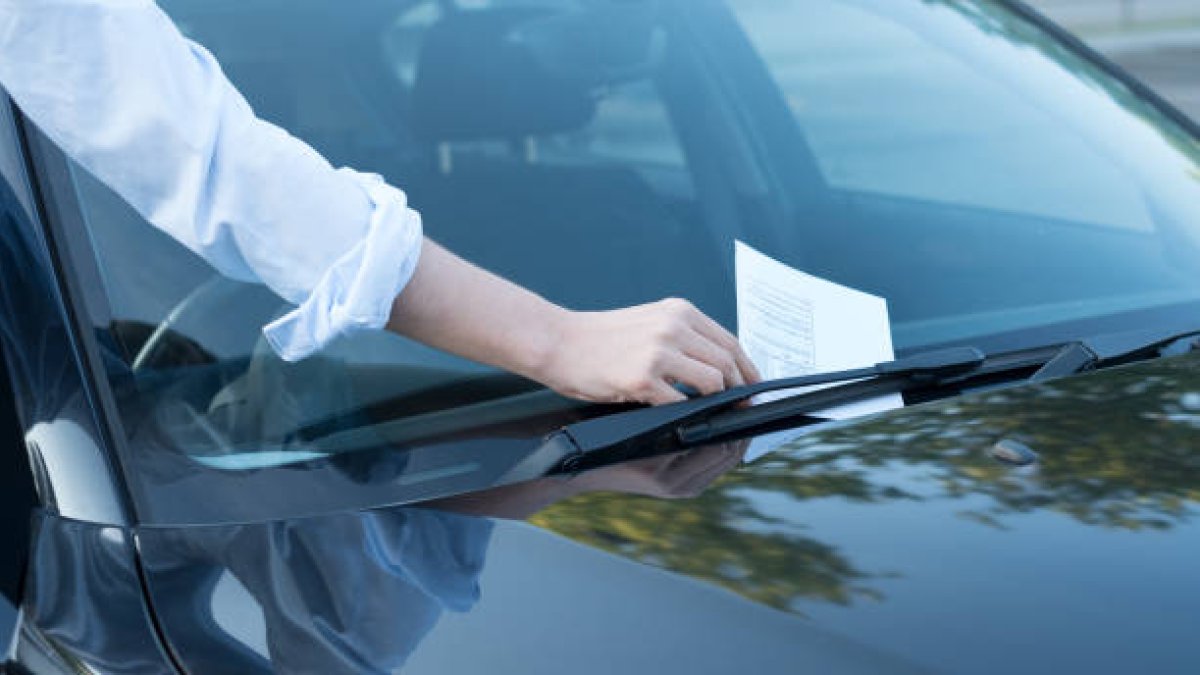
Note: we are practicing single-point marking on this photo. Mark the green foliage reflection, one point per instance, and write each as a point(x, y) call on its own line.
point(1118, 449)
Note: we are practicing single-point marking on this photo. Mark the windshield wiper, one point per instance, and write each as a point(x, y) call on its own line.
point(1102, 351)
point(714, 417)
point(633, 427)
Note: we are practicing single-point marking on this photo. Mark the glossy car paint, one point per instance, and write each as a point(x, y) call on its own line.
point(892, 544)
point(895, 543)
point(83, 608)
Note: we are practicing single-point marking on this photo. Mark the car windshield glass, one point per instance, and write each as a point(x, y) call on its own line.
point(950, 156)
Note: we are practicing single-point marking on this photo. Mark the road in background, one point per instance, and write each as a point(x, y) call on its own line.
point(1158, 41)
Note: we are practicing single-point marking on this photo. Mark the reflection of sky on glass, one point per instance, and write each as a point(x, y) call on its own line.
point(631, 125)
point(909, 100)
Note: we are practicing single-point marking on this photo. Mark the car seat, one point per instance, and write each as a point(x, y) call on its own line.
point(560, 225)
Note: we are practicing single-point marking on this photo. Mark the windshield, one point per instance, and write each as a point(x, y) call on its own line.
point(951, 157)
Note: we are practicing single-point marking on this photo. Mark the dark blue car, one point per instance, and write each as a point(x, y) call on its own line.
point(177, 499)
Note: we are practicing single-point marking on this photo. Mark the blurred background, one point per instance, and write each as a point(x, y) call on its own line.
point(1156, 40)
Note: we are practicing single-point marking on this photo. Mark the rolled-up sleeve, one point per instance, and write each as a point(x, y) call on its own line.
point(151, 115)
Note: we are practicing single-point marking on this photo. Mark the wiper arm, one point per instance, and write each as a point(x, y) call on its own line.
point(1114, 349)
point(1101, 351)
point(628, 428)
point(710, 418)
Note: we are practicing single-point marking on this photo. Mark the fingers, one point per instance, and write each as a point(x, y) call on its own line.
point(658, 388)
point(717, 334)
point(725, 352)
point(658, 392)
point(695, 373)
point(704, 350)
point(749, 371)
point(683, 346)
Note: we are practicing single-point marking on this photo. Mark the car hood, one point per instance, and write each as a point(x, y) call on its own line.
point(903, 535)
point(895, 543)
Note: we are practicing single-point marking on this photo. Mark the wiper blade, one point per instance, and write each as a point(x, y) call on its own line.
point(634, 426)
point(1101, 351)
point(712, 417)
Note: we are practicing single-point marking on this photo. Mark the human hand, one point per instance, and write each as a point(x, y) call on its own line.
point(633, 354)
point(639, 353)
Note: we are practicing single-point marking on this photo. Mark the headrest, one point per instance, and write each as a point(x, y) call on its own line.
point(512, 72)
point(475, 82)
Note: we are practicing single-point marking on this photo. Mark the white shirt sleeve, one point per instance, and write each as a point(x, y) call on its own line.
point(150, 114)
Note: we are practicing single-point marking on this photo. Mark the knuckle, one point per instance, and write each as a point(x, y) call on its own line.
point(643, 385)
point(729, 343)
point(726, 362)
point(666, 330)
point(715, 383)
point(658, 359)
point(679, 329)
point(678, 307)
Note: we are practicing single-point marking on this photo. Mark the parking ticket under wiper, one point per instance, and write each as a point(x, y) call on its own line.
point(1062, 360)
point(701, 420)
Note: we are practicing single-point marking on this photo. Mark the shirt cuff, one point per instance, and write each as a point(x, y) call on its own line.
point(357, 292)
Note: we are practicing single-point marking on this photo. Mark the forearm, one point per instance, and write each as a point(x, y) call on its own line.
point(152, 115)
point(629, 354)
point(458, 307)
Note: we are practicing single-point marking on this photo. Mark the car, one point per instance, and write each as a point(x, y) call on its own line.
point(181, 500)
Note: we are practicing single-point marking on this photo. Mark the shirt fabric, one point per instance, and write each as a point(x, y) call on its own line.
point(123, 93)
